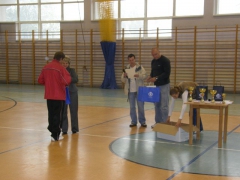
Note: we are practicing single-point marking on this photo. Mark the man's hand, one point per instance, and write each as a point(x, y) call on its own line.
point(136, 75)
point(125, 75)
point(150, 79)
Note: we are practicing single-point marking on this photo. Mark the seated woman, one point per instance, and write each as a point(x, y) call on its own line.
point(181, 91)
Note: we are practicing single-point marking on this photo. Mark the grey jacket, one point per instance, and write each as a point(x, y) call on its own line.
point(74, 76)
point(139, 81)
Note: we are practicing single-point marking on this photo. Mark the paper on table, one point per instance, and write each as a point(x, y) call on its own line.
point(130, 73)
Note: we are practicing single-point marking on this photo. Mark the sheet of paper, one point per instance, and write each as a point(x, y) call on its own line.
point(130, 73)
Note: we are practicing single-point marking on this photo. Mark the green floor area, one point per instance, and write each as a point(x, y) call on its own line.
point(203, 157)
point(95, 97)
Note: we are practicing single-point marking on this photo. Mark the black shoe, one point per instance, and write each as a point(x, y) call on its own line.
point(132, 125)
point(143, 125)
point(64, 133)
point(74, 132)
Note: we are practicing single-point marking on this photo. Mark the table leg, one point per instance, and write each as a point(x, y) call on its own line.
point(198, 123)
point(191, 125)
point(220, 127)
point(225, 125)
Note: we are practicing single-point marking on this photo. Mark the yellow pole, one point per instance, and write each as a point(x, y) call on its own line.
point(33, 56)
point(194, 56)
point(123, 48)
point(214, 58)
point(236, 58)
point(175, 63)
point(47, 46)
point(61, 39)
point(140, 46)
point(91, 56)
point(76, 50)
point(20, 57)
point(7, 58)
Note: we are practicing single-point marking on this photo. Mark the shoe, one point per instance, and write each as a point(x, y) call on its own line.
point(60, 138)
point(143, 125)
point(74, 132)
point(132, 125)
point(64, 133)
point(53, 139)
point(153, 125)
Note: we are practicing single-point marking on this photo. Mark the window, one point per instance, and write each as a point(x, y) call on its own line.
point(26, 30)
point(227, 7)
point(51, 12)
point(130, 10)
point(40, 15)
point(8, 1)
point(8, 13)
point(131, 28)
point(164, 26)
point(133, 15)
point(28, 13)
point(73, 11)
point(161, 8)
point(189, 7)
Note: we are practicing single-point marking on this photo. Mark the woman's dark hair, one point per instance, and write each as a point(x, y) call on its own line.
point(59, 55)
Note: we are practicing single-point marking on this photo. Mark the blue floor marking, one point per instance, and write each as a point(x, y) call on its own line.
point(198, 156)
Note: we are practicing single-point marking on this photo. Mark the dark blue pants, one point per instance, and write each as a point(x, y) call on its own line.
point(195, 119)
point(55, 112)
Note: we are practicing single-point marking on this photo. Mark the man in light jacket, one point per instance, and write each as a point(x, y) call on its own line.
point(133, 77)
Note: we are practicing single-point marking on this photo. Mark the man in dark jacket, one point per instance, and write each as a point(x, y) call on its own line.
point(55, 78)
point(160, 76)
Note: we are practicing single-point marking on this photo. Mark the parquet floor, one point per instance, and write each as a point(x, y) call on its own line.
point(95, 153)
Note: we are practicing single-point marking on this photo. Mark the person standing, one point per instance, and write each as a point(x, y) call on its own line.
point(160, 76)
point(181, 91)
point(133, 77)
point(55, 78)
point(73, 106)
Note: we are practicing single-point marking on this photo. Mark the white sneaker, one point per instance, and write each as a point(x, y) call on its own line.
point(52, 139)
point(153, 125)
point(60, 138)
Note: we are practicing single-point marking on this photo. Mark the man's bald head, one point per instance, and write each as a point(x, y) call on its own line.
point(156, 53)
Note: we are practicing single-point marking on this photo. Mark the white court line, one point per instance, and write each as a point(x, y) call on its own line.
point(21, 129)
point(112, 137)
point(224, 149)
point(98, 136)
point(150, 141)
point(127, 138)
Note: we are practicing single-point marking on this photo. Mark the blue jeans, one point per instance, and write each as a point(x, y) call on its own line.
point(161, 108)
point(132, 97)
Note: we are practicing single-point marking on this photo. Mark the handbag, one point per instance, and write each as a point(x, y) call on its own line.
point(67, 101)
point(198, 93)
point(149, 94)
point(220, 89)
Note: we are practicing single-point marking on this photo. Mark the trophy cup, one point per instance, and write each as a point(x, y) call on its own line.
point(223, 96)
point(202, 91)
point(213, 92)
point(190, 89)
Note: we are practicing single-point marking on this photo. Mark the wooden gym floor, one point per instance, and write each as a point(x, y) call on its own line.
point(106, 148)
